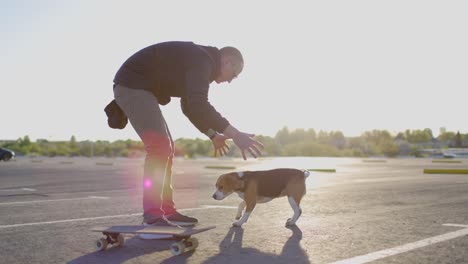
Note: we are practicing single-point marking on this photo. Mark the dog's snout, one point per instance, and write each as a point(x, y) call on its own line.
point(218, 196)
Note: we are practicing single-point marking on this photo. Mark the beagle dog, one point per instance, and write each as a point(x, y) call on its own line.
point(261, 187)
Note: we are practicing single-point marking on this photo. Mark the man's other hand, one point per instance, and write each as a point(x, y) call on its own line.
point(220, 145)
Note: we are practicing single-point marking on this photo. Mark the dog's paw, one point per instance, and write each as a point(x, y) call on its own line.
point(289, 223)
point(237, 224)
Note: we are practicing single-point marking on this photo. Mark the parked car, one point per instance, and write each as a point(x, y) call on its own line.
point(6, 154)
point(449, 155)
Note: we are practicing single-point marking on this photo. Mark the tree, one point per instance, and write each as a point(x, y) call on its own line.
point(323, 137)
point(442, 130)
point(428, 133)
point(72, 144)
point(311, 135)
point(337, 139)
point(282, 136)
point(24, 145)
point(419, 136)
point(458, 140)
point(297, 135)
point(400, 136)
point(389, 148)
point(271, 146)
point(446, 137)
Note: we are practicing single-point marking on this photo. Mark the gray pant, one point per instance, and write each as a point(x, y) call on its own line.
point(143, 112)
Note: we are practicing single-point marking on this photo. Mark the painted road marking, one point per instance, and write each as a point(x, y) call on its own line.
point(131, 190)
point(57, 200)
point(407, 247)
point(218, 206)
point(456, 225)
point(385, 179)
point(109, 216)
point(19, 189)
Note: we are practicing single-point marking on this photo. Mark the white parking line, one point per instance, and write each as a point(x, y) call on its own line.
point(28, 189)
point(68, 220)
point(456, 225)
point(385, 179)
point(57, 200)
point(407, 247)
point(217, 206)
point(109, 216)
point(19, 189)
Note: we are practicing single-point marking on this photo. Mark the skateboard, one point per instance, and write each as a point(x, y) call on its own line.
point(182, 236)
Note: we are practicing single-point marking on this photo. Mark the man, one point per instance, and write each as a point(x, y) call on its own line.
point(151, 77)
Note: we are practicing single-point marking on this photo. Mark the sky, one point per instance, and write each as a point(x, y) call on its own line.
point(350, 66)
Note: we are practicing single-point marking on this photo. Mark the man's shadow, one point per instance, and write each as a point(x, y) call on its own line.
point(133, 248)
point(231, 250)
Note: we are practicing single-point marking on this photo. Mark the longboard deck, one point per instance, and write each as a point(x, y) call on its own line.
point(164, 230)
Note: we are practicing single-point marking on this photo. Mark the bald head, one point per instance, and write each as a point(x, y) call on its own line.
point(232, 53)
point(232, 64)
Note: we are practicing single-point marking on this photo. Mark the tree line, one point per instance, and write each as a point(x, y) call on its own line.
point(286, 142)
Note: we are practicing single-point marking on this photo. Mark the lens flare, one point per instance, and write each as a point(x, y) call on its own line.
point(147, 183)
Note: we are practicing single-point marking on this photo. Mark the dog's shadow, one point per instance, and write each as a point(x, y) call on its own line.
point(231, 250)
point(134, 247)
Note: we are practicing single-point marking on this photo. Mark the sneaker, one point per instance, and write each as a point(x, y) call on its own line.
point(181, 220)
point(155, 222)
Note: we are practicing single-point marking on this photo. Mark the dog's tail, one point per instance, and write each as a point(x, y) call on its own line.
point(306, 173)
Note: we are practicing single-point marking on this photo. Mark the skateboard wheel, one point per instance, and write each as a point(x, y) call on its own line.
point(101, 244)
point(177, 248)
point(191, 243)
point(120, 240)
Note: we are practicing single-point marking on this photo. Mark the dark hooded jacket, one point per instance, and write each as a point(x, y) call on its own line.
point(177, 69)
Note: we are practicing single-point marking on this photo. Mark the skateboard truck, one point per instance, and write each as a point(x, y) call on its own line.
point(183, 244)
point(110, 239)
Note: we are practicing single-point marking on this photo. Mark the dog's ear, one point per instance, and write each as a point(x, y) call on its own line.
point(240, 184)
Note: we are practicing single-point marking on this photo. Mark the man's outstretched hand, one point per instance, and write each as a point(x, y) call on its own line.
point(246, 142)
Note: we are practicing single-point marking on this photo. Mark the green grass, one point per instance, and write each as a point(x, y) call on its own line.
point(446, 171)
point(221, 167)
point(323, 170)
point(446, 161)
point(375, 161)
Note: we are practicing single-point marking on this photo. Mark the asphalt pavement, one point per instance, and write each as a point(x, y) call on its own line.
point(379, 211)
